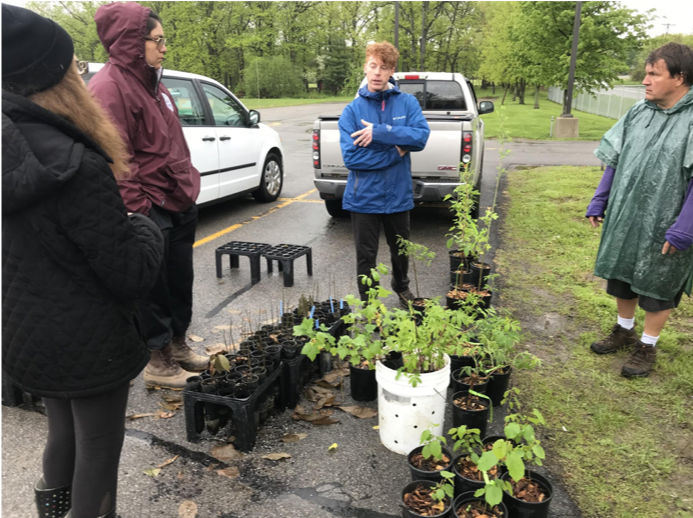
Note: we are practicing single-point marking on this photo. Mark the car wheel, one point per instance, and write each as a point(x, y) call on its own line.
point(334, 208)
point(271, 180)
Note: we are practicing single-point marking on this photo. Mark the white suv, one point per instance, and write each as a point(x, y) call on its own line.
point(234, 152)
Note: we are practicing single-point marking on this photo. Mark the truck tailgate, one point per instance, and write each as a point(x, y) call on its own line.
point(441, 156)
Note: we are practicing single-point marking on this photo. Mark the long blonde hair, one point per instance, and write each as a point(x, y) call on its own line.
point(71, 99)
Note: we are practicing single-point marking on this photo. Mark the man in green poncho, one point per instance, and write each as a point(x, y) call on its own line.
point(645, 252)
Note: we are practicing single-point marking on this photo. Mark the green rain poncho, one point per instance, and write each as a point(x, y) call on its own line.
point(651, 150)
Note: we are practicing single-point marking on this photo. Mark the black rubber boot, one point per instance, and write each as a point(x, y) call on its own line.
point(52, 503)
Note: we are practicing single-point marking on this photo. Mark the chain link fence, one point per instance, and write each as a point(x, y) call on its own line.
point(613, 103)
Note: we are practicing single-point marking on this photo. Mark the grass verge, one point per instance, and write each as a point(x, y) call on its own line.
point(625, 447)
point(259, 104)
point(523, 121)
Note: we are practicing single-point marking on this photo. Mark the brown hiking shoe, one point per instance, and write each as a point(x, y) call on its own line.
point(641, 361)
point(405, 297)
point(619, 338)
point(163, 371)
point(186, 357)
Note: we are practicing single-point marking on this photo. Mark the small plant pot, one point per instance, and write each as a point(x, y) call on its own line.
point(394, 360)
point(408, 513)
point(477, 269)
point(457, 362)
point(233, 376)
point(464, 484)
point(226, 388)
point(243, 368)
point(458, 278)
point(250, 382)
point(192, 384)
point(466, 499)
point(498, 385)
point(459, 386)
point(470, 418)
point(435, 476)
point(364, 387)
point(260, 372)
point(241, 393)
point(289, 350)
point(456, 258)
point(325, 362)
point(521, 509)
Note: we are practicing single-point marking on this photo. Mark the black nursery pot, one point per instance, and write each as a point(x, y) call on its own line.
point(476, 272)
point(457, 362)
point(364, 387)
point(273, 352)
point(435, 476)
point(521, 509)
point(289, 350)
point(470, 418)
point(455, 260)
point(394, 360)
point(457, 279)
point(407, 513)
point(468, 498)
point(458, 386)
point(463, 484)
point(498, 385)
point(192, 384)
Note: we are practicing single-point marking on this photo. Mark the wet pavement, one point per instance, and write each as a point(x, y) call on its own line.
point(361, 478)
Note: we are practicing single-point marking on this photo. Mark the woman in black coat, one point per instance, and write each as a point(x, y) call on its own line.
point(73, 265)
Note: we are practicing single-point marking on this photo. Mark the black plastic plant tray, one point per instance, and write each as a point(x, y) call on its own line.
point(234, 249)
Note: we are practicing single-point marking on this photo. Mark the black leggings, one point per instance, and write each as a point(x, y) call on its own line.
point(85, 437)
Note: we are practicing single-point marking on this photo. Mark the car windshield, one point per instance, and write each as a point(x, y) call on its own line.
point(436, 95)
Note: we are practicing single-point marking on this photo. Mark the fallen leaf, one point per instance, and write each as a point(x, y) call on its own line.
point(376, 427)
point(334, 385)
point(359, 411)
point(231, 472)
point(333, 447)
point(153, 472)
point(227, 452)
point(324, 401)
point(180, 475)
point(222, 328)
point(163, 415)
point(187, 509)
point(217, 348)
point(212, 466)
point(332, 376)
point(172, 399)
point(294, 437)
point(167, 462)
point(276, 456)
point(170, 406)
point(317, 418)
point(139, 416)
point(195, 338)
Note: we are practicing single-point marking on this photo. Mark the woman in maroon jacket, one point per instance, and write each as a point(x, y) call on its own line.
point(164, 184)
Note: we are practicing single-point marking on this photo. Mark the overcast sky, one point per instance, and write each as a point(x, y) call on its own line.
point(679, 13)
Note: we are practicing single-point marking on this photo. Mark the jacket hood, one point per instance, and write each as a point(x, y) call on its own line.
point(382, 95)
point(122, 28)
point(41, 151)
point(685, 102)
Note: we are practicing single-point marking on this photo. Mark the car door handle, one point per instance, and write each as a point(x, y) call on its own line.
point(208, 139)
point(225, 137)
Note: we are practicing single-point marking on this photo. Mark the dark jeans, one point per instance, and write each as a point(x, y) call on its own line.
point(166, 310)
point(366, 228)
point(621, 290)
point(85, 437)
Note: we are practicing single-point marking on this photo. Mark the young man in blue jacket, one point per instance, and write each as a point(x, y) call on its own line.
point(378, 130)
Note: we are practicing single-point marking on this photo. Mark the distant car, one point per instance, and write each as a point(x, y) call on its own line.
point(235, 153)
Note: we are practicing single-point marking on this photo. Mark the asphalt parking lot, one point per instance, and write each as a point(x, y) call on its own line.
point(360, 478)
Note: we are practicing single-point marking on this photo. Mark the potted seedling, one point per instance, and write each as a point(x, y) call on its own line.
point(428, 498)
point(430, 459)
point(417, 253)
point(464, 205)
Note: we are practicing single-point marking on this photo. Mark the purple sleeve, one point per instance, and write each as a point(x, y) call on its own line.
point(680, 235)
point(597, 206)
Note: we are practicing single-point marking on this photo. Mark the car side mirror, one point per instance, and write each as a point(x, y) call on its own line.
point(485, 107)
point(254, 117)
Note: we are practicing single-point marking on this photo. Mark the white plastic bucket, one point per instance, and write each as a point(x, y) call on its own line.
point(405, 411)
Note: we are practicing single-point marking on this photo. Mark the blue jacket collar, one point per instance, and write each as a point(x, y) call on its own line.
point(379, 96)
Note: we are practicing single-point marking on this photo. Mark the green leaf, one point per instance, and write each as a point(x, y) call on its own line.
point(494, 495)
point(426, 452)
point(447, 474)
point(449, 489)
point(436, 449)
point(487, 461)
point(512, 430)
point(480, 491)
point(500, 449)
point(516, 466)
point(440, 494)
point(538, 451)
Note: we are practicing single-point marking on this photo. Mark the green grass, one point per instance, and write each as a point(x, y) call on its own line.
point(259, 104)
point(625, 446)
point(523, 121)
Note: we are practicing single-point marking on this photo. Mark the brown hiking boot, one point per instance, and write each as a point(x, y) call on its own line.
point(163, 371)
point(641, 361)
point(619, 338)
point(186, 357)
point(405, 297)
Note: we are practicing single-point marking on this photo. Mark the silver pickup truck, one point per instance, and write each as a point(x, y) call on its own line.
point(450, 106)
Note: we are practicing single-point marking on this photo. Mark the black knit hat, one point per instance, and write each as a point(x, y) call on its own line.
point(36, 51)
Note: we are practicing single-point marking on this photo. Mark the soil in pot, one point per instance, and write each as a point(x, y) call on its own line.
point(418, 501)
point(460, 276)
point(364, 386)
point(531, 496)
point(471, 411)
point(529, 491)
point(462, 382)
point(422, 468)
point(479, 509)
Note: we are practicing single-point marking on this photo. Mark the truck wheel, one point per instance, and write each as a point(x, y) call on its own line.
point(334, 208)
point(271, 180)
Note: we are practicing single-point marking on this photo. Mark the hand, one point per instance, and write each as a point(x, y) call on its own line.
point(668, 248)
point(365, 136)
point(595, 221)
point(402, 152)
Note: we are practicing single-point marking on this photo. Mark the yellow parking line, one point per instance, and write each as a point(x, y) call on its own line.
point(286, 201)
point(275, 124)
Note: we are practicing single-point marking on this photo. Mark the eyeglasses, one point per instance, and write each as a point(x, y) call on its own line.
point(160, 42)
point(82, 67)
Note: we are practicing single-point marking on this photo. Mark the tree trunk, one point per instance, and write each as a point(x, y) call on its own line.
point(505, 93)
point(536, 97)
point(521, 93)
point(493, 85)
point(423, 35)
point(515, 89)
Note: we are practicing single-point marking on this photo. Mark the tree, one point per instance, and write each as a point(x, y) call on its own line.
point(637, 71)
point(336, 66)
point(272, 77)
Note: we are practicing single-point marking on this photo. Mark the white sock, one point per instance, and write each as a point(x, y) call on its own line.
point(649, 340)
point(626, 323)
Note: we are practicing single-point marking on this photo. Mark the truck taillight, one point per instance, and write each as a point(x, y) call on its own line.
point(466, 147)
point(316, 149)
